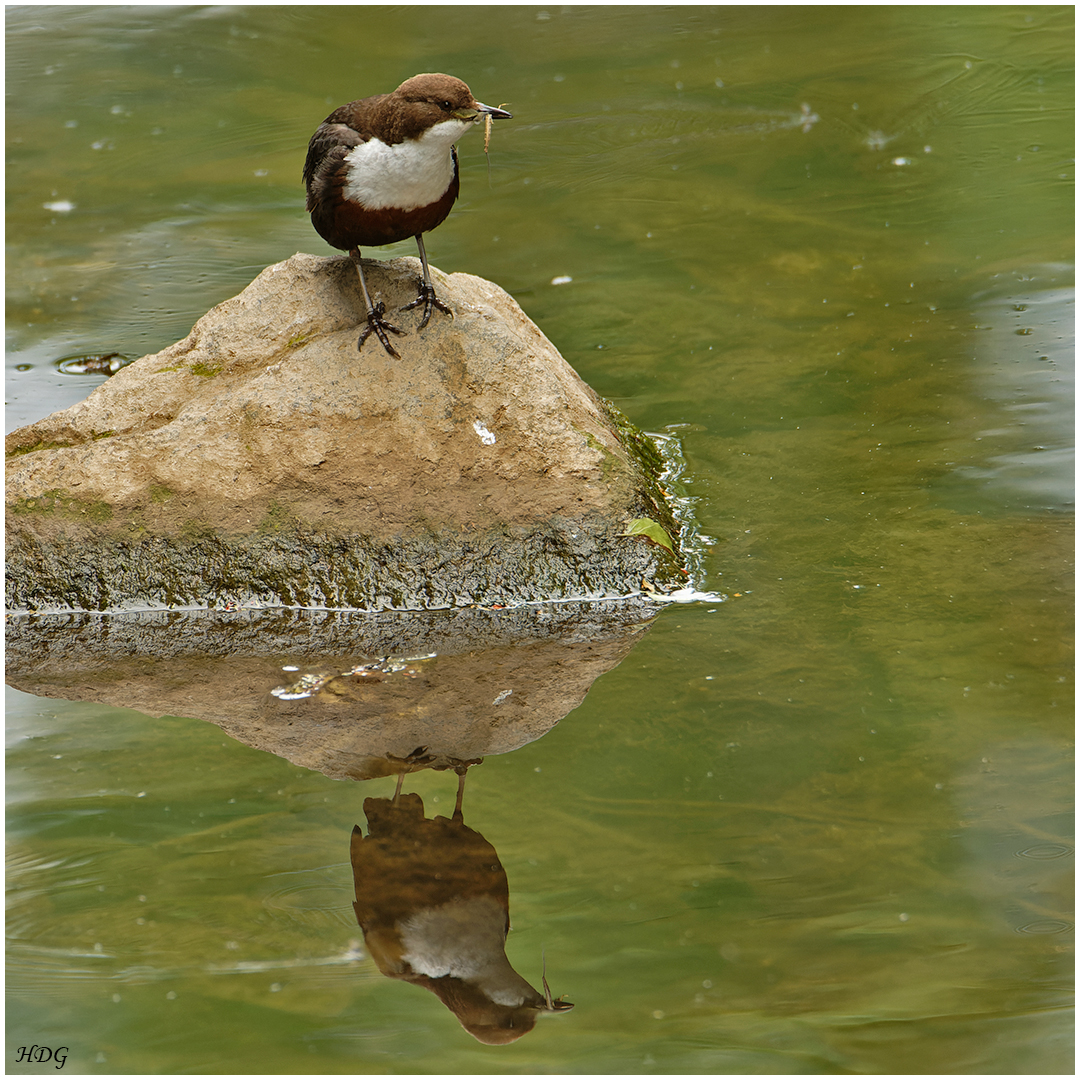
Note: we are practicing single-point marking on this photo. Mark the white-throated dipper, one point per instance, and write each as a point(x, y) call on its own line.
point(434, 903)
point(385, 168)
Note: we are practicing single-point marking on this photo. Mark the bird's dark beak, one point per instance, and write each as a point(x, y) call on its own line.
point(495, 114)
point(553, 1004)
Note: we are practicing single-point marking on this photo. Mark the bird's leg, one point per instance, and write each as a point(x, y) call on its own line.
point(397, 789)
point(376, 324)
point(427, 295)
point(460, 795)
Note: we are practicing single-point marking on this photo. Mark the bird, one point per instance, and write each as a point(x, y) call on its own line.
point(433, 902)
point(384, 169)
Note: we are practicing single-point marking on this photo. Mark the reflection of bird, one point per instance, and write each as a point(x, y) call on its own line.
point(433, 902)
point(384, 169)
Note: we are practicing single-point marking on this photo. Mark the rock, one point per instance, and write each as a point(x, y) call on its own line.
point(265, 460)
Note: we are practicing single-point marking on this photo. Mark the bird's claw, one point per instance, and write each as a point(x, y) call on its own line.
point(430, 301)
point(378, 326)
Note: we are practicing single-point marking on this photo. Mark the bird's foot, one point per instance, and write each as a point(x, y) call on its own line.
point(430, 301)
point(378, 326)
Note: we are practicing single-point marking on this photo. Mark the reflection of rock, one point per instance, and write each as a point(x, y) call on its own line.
point(351, 706)
point(264, 458)
point(433, 902)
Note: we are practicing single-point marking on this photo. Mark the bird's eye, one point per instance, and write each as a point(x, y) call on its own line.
point(446, 105)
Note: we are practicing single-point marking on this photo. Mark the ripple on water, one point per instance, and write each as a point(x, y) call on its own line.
point(1046, 851)
point(1045, 926)
point(316, 898)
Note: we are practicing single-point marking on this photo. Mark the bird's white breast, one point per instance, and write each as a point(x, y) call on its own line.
point(464, 938)
point(404, 175)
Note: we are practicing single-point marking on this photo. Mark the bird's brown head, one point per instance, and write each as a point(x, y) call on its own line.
point(497, 1025)
point(487, 1020)
point(442, 97)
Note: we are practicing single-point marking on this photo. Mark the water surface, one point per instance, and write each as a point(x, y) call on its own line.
point(821, 826)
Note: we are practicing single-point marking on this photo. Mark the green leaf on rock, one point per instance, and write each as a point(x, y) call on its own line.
point(651, 530)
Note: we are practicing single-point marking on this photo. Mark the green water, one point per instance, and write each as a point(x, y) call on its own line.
point(823, 826)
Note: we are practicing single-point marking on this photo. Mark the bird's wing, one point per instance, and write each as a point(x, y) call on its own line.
point(327, 150)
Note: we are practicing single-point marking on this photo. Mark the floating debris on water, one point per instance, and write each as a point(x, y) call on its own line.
point(311, 683)
point(304, 687)
point(692, 596)
point(92, 364)
point(390, 664)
